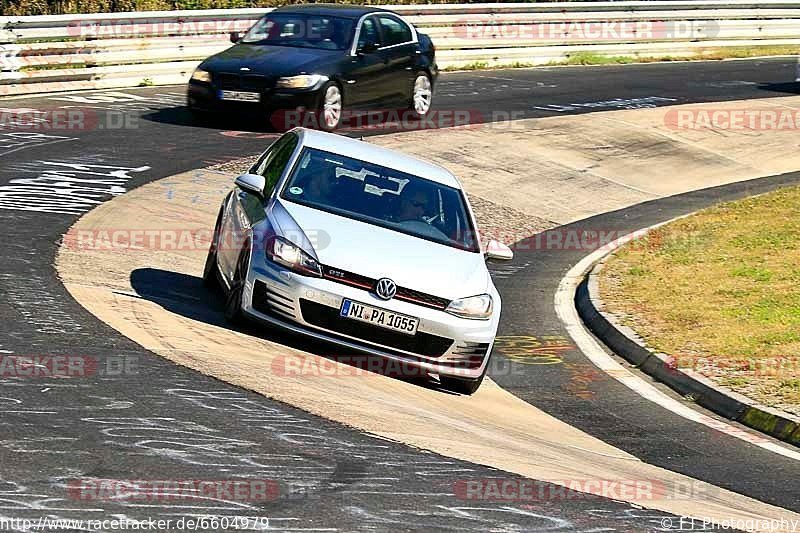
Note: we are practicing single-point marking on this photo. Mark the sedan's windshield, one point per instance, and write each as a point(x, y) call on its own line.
point(301, 30)
point(385, 197)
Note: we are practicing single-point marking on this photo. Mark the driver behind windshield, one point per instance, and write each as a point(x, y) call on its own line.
point(415, 204)
point(321, 186)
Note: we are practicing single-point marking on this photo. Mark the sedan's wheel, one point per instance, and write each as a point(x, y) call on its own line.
point(422, 96)
point(210, 269)
point(462, 385)
point(330, 114)
point(233, 304)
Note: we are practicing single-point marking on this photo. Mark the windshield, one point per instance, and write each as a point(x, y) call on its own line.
point(381, 196)
point(301, 30)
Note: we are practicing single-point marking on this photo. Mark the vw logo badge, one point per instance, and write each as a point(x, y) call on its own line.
point(385, 289)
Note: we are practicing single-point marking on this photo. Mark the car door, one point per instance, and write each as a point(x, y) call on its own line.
point(246, 209)
point(364, 77)
point(398, 52)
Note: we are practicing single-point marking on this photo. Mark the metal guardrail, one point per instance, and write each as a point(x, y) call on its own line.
point(65, 52)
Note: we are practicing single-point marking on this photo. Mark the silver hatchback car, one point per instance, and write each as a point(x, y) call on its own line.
point(375, 251)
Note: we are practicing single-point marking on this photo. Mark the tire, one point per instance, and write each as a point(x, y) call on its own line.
point(210, 270)
point(421, 95)
point(329, 113)
point(463, 386)
point(233, 302)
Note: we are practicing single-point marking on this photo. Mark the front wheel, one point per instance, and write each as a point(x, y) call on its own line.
point(210, 279)
point(422, 95)
point(330, 112)
point(233, 303)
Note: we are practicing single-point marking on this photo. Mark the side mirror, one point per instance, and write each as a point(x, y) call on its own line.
point(368, 48)
point(496, 250)
point(235, 36)
point(252, 183)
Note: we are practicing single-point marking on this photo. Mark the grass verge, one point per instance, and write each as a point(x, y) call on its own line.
point(590, 58)
point(720, 292)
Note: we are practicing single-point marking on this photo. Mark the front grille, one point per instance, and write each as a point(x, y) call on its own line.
point(404, 294)
point(328, 318)
point(421, 298)
point(271, 302)
point(243, 82)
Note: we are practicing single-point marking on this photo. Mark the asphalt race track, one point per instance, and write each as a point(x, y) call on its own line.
point(169, 422)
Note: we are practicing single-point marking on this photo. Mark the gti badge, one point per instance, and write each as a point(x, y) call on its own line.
point(385, 289)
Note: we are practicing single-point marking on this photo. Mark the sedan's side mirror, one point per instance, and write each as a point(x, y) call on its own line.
point(368, 48)
point(235, 36)
point(252, 183)
point(496, 250)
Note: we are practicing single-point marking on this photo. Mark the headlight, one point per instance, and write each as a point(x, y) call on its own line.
point(287, 254)
point(303, 81)
point(201, 75)
point(479, 307)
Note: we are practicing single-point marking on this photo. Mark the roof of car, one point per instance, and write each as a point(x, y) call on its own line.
point(339, 10)
point(357, 149)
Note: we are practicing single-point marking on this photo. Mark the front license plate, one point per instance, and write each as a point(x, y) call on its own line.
point(379, 317)
point(240, 96)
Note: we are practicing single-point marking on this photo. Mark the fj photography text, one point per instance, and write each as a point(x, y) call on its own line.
point(686, 523)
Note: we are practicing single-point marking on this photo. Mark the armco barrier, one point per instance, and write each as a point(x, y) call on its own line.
point(65, 52)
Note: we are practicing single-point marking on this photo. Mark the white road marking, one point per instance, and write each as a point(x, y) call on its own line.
point(591, 348)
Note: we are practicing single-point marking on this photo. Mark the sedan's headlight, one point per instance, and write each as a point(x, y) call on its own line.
point(201, 75)
point(303, 81)
point(287, 254)
point(478, 307)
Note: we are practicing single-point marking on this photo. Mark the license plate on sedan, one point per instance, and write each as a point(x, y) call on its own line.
point(240, 96)
point(379, 317)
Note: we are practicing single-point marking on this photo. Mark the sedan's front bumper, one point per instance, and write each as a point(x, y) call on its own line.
point(444, 344)
point(202, 96)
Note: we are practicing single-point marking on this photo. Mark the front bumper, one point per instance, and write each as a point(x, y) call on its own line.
point(205, 97)
point(444, 344)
